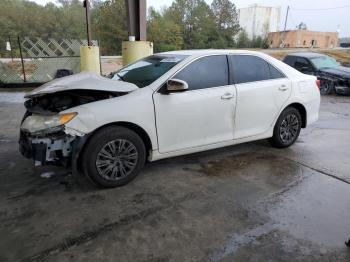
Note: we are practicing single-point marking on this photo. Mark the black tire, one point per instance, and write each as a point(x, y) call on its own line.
point(106, 173)
point(287, 128)
point(327, 87)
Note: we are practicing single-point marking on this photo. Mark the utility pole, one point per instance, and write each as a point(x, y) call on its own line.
point(285, 27)
point(87, 17)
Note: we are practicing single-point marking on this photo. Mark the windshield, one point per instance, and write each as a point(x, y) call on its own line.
point(324, 62)
point(145, 71)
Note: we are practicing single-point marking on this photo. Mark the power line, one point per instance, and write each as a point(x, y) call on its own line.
point(320, 9)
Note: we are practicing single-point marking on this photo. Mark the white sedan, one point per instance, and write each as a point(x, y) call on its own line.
point(165, 105)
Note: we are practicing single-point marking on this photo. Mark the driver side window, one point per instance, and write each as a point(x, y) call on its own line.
point(302, 64)
point(205, 72)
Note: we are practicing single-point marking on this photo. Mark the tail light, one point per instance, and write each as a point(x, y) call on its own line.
point(318, 83)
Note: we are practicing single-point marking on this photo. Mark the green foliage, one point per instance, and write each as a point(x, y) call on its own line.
point(185, 24)
point(196, 20)
point(243, 41)
point(25, 18)
point(110, 26)
point(226, 21)
point(165, 34)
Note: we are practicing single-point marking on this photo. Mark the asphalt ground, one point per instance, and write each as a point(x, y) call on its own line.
point(248, 202)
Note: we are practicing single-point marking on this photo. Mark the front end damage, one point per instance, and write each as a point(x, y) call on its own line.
point(44, 136)
point(47, 149)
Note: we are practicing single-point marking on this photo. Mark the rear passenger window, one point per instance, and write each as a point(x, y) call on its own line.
point(246, 68)
point(206, 72)
point(274, 73)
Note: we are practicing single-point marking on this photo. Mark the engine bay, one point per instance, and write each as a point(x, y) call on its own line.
point(63, 100)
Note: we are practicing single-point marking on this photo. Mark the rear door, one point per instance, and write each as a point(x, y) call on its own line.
point(262, 90)
point(202, 115)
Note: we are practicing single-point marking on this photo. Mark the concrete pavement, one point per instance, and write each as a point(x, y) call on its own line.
point(249, 202)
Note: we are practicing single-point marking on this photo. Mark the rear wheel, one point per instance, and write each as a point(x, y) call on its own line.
point(287, 128)
point(114, 156)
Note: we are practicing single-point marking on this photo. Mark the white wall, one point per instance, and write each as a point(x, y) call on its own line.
point(259, 20)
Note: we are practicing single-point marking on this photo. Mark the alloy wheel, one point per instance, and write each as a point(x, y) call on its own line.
point(116, 159)
point(289, 128)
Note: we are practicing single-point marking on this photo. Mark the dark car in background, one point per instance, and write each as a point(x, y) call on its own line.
point(333, 76)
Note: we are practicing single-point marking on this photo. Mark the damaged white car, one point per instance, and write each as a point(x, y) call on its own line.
point(165, 105)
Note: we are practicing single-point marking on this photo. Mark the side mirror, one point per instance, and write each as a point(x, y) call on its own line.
point(176, 85)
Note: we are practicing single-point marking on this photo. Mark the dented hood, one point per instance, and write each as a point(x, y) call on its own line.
point(85, 81)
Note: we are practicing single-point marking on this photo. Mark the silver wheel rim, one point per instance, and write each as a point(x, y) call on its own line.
point(289, 128)
point(116, 159)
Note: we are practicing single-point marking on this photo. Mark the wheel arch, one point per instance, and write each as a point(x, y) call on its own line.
point(302, 111)
point(134, 127)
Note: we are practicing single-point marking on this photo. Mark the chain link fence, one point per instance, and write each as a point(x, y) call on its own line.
point(34, 61)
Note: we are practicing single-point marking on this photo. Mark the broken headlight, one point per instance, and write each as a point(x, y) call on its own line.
point(37, 123)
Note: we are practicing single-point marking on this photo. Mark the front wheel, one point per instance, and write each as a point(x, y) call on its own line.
point(327, 87)
point(287, 128)
point(114, 156)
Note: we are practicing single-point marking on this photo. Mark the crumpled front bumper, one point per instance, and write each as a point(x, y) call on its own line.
point(47, 149)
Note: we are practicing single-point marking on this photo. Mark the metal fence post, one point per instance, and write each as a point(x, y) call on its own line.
point(99, 45)
point(11, 48)
point(20, 51)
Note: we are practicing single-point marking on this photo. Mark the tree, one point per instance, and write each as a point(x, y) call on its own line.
point(110, 26)
point(243, 39)
point(165, 34)
point(226, 20)
point(196, 21)
point(302, 26)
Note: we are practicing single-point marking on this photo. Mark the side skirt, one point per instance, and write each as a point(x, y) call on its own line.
point(155, 155)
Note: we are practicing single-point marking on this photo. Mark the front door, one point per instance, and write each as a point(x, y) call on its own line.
point(202, 115)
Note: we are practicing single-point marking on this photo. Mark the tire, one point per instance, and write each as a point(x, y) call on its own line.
point(113, 157)
point(327, 87)
point(287, 128)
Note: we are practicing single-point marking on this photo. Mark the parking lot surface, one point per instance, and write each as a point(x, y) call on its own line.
point(248, 202)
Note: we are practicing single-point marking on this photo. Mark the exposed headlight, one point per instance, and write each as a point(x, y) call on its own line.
point(36, 123)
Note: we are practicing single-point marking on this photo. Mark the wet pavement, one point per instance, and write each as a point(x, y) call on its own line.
point(248, 202)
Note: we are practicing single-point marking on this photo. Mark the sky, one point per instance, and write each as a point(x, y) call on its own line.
point(310, 12)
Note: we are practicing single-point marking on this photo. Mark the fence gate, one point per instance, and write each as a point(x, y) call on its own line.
point(36, 61)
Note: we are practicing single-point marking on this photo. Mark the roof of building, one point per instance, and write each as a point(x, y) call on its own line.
point(302, 30)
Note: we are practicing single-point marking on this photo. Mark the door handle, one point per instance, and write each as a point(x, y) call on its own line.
point(283, 88)
point(227, 96)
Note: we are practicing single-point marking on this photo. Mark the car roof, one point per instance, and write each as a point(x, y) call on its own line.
point(200, 52)
point(193, 54)
point(306, 54)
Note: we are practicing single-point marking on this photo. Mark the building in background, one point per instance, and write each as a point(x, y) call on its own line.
point(259, 20)
point(303, 39)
